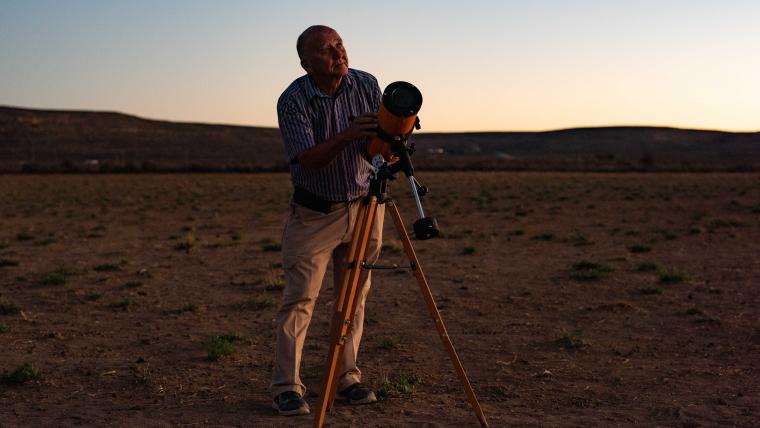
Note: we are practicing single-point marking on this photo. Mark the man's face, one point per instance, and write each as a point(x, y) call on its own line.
point(324, 55)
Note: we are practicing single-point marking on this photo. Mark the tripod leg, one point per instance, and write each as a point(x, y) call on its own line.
point(428, 297)
point(345, 305)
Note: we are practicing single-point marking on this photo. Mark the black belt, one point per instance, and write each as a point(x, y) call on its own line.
point(313, 202)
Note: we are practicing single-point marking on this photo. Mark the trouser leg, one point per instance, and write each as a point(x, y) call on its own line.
point(308, 242)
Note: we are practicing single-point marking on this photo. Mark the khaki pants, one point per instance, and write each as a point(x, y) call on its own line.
point(310, 239)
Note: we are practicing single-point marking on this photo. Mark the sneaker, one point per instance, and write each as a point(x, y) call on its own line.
point(357, 394)
point(289, 403)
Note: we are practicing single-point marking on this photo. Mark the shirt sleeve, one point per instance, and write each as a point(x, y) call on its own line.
point(375, 98)
point(377, 94)
point(295, 127)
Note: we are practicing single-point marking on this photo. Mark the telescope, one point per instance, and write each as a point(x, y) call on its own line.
point(390, 151)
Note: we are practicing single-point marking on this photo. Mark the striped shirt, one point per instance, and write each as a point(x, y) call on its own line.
point(307, 117)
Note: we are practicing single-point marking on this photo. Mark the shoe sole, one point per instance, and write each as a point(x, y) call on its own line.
point(296, 412)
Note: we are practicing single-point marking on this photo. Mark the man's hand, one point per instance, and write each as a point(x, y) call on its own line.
point(364, 125)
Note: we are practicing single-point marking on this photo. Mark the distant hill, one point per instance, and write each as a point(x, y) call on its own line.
point(54, 140)
point(45, 139)
point(605, 148)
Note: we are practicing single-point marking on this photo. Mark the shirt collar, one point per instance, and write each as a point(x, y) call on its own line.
point(313, 91)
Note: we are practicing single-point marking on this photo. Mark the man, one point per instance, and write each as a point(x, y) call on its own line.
point(325, 118)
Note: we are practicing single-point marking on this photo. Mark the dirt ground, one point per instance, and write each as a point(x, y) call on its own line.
point(572, 299)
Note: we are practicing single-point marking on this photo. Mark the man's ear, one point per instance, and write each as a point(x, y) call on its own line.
point(305, 65)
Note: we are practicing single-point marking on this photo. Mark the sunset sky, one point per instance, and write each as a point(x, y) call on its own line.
point(481, 65)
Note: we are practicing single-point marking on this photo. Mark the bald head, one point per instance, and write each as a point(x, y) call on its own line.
point(305, 37)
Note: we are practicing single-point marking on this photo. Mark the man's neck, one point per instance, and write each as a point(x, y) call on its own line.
point(328, 86)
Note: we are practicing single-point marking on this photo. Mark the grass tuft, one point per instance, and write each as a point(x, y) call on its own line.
point(8, 262)
point(639, 248)
point(694, 311)
point(671, 276)
point(47, 241)
point(570, 340)
point(21, 375)
point(646, 267)
point(580, 240)
point(220, 346)
point(258, 303)
point(190, 307)
point(268, 245)
point(24, 236)
point(91, 297)
point(106, 267)
point(7, 308)
point(54, 278)
point(589, 271)
point(543, 237)
point(121, 304)
point(274, 282)
point(386, 343)
point(401, 386)
point(391, 249)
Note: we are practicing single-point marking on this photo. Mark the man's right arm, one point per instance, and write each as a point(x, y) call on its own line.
point(320, 155)
point(298, 135)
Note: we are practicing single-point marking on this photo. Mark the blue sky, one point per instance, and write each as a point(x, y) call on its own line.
point(480, 65)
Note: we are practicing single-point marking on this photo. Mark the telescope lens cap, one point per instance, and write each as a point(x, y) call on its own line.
point(402, 99)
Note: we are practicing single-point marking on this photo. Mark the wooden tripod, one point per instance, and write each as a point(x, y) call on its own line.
point(345, 306)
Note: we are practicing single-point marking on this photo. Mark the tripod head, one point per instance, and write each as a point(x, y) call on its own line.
point(391, 153)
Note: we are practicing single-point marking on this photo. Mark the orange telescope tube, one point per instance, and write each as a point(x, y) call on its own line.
point(396, 117)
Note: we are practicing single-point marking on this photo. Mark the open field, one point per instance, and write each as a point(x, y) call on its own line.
point(573, 300)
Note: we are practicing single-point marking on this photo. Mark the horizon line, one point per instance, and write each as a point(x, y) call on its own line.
point(619, 125)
